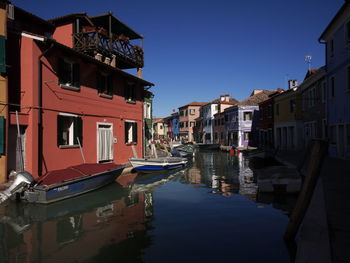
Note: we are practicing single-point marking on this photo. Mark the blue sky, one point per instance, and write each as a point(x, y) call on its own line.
point(197, 50)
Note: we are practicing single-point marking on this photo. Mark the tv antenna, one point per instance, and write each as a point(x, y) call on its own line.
point(308, 60)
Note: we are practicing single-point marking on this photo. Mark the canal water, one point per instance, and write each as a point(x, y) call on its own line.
point(208, 212)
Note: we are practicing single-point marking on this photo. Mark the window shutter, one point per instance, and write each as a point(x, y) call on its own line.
point(2, 135)
point(76, 75)
point(2, 54)
point(78, 130)
point(134, 132)
point(126, 132)
point(59, 130)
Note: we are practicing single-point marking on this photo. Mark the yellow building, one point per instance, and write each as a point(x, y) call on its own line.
point(3, 90)
point(288, 125)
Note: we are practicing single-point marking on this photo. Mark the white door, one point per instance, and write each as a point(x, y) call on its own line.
point(104, 142)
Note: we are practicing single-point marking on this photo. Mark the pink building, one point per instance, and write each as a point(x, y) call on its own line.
point(68, 84)
point(188, 115)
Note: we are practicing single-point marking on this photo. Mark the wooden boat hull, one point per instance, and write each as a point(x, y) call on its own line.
point(157, 164)
point(49, 193)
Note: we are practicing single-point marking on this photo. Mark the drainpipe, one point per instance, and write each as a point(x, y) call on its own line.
point(40, 115)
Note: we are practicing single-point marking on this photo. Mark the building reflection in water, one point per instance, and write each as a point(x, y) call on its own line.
point(227, 175)
point(223, 174)
point(95, 227)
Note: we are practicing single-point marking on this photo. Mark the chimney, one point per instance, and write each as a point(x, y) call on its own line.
point(98, 56)
point(292, 83)
point(113, 62)
point(225, 98)
point(107, 61)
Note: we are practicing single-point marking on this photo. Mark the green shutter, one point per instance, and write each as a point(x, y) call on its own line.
point(2, 135)
point(2, 54)
point(134, 132)
point(78, 130)
point(59, 130)
point(76, 75)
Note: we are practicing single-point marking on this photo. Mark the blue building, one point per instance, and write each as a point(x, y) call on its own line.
point(336, 37)
point(241, 120)
point(175, 126)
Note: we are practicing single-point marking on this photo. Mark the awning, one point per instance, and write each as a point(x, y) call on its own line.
point(117, 26)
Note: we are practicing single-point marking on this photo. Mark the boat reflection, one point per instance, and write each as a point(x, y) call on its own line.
point(83, 228)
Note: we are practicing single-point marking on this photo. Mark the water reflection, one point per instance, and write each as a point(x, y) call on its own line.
point(84, 228)
point(118, 223)
point(224, 174)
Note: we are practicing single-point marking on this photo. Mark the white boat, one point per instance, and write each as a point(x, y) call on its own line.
point(157, 164)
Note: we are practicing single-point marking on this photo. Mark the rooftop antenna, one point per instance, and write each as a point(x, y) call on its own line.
point(308, 60)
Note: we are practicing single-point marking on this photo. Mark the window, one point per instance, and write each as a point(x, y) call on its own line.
point(68, 74)
point(347, 32)
point(348, 78)
point(182, 113)
point(69, 130)
point(104, 85)
point(130, 92)
point(130, 132)
point(324, 90)
point(247, 115)
point(332, 87)
point(226, 118)
point(186, 124)
point(216, 136)
point(331, 47)
point(292, 106)
point(312, 97)
point(185, 112)
point(221, 135)
point(269, 111)
point(181, 124)
point(161, 127)
point(147, 110)
point(222, 121)
point(277, 109)
point(333, 134)
point(246, 136)
point(192, 111)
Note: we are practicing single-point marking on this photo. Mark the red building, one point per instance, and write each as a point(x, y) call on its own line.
point(68, 84)
point(266, 121)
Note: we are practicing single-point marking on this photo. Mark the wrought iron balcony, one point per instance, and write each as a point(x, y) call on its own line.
point(97, 41)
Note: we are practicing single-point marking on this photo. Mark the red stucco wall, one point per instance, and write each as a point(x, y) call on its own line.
point(64, 35)
point(84, 103)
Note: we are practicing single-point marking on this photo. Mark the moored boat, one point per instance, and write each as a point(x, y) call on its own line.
point(208, 146)
point(62, 184)
point(157, 164)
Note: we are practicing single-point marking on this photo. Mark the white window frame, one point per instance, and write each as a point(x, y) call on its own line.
point(71, 131)
point(130, 133)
